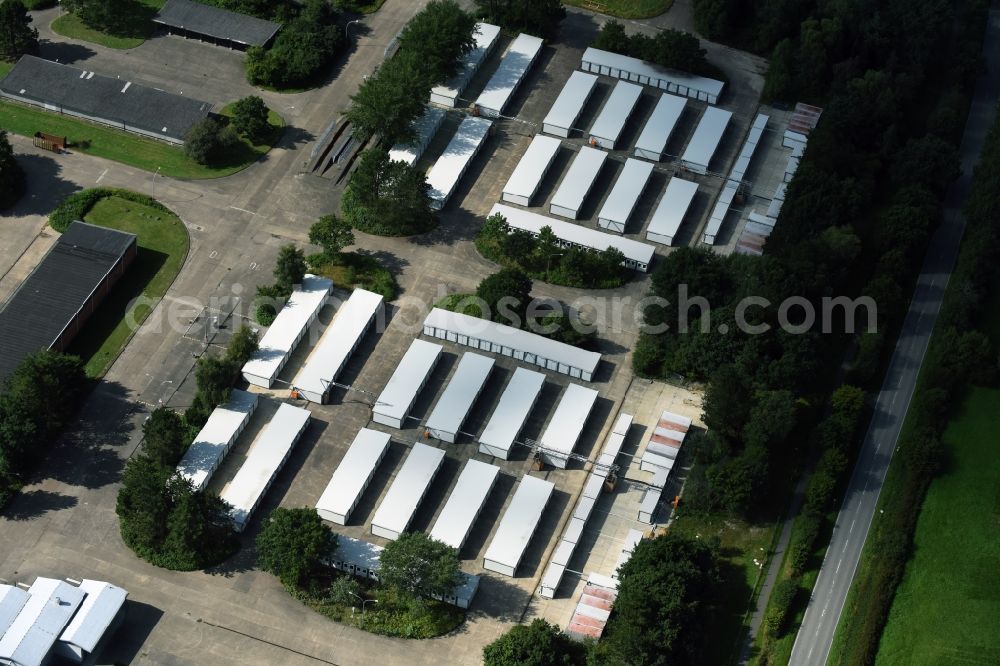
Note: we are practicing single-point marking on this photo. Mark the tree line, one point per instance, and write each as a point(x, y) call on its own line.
point(674, 49)
point(856, 220)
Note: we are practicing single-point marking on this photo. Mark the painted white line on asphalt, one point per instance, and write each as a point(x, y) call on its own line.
point(243, 210)
point(852, 525)
point(839, 562)
point(103, 174)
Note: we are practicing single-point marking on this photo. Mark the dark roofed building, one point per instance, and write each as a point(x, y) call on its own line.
point(103, 99)
point(214, 24)
point(52, 304)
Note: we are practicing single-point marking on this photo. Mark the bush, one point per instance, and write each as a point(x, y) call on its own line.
point(76, 206)
point(301, 52)
point(208, 141)
point(535, 644)
point(673, 49)
point(535, 17)
point(781, 603)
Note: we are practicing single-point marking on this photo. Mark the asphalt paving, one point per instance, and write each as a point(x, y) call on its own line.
point(815, 637)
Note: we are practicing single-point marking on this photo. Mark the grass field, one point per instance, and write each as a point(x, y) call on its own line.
point(126, 148)
point(741, 543)
point(630, 9)
point(5, 67)
point(163, 246)
point(136, 28)
point(946, 609)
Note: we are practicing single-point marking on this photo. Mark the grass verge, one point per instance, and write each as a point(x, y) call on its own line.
point(5, 66)
point(355, 269)
point(946, 607)
point(627, 9)
point(130, 149)
point(163, 246)
point(740, 544)
point(135, 27)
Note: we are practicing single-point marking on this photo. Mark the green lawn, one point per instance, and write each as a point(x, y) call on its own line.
point(136, 27)
point(629, 9)
point(5, 67)
point(946, 609)
point(741, 543)
point(163, 246)
point(148, 154)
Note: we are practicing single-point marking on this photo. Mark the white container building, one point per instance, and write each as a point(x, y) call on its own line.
point(465, 503)
point(576, 184)
point(656, 133)
point(520, 57)
point(521, 345)
point(563, 430)
point(615, 114)
point(638, 256)
point(39, 620)
point(455, 403)
point(530, 170)
point(396, 511)
point(216, 437)
point(91, 627)
point(669, 214)
point(517, 525)
point(648, 504)
point(286, 331)
point(266, 458)
point(339, 341)
point(425, 127)
point(447, 94)
point(639, 71)
point(511, 413)
point(624, 195)
point(719, 212)
point(613, 445)
point(456, 158)
point(566, 109)
point(705, 140)
point(396, 400)
point(352, 476)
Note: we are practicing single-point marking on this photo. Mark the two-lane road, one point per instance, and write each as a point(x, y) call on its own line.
point(815, 637)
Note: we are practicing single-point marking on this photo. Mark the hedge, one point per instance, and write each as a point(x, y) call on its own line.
point(74, 207)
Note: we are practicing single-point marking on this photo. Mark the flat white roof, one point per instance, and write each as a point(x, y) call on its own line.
point(12, 600)
point(519, 521)
point(575, 233)
point(643, 68)
point(286, 330)
point(532, 166)
point(566, 109)
point(265, 458)
point(41, 620)
point(98, 611)
point(485, 35)
point(455, 402)
point(425, 127)
point(513, 409)
point(721, 208)
point(707, 136)
point(212, 442)
point(660, 124)
point(407, 489)
point(673, 206)
point(450, 167)
point(339, 339)
point(508, 336)
point(397, 396)
point(568, 421)
point(455, 520)
point(354, 471)
point(579, 178)
point(626, 191)
point(616, 111)
point(515, 64)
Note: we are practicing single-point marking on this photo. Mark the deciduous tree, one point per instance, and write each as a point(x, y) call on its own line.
point(17, 37)
point(293, 544)
point(419, 566)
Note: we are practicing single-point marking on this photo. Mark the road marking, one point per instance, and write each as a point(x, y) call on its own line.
point(839, 562)
point(103, 174)
point(852, 525)
point(243, 210)
point(213, 254)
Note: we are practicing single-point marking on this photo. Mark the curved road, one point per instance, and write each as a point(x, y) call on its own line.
point(815, 637)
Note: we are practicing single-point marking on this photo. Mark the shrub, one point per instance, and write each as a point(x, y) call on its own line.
point(208, 141)
point(781, 603)
point(265, 314)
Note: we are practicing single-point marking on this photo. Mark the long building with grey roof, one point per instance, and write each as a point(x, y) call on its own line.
point(215, 25)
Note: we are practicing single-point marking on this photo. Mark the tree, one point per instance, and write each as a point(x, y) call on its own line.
point(536, 17)
point(441, 33)
point(294, 544)
point(11, 174)
point(387, 198)
point(143, 504)
point(344, 591)
point(332, 234)
point(662, 603)
point(214, 377)
point(290, 268)
point(111, 16)
point(17, 37)
point(612, 37)
point(242, 346)
point(507, 294)
point(165, 437)
point(250, 118)
point(535, 644)
point(308, 43)
point(418, 566)
point(208, 140)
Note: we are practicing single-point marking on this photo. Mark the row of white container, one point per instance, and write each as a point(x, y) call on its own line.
point(485, 38)
point(449, 168)
point(216, 437)
point(584, 507)
point(624, 67)
point(520, 57)
point(735, 179)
